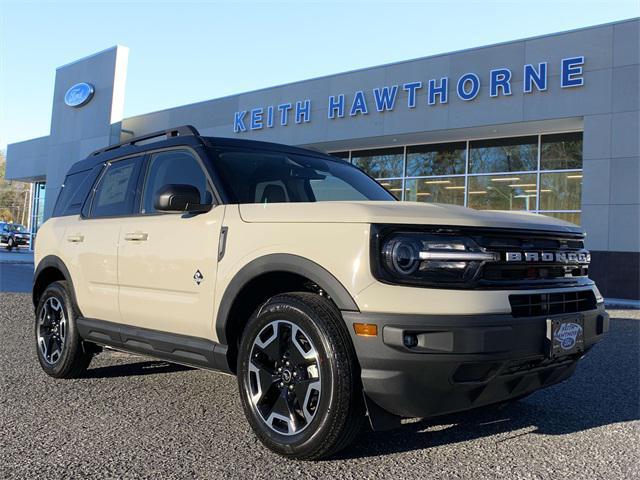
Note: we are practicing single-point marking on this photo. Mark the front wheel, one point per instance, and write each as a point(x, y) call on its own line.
point(10, 244)
point(298, 377)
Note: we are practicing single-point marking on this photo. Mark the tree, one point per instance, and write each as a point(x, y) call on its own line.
point(14, 197)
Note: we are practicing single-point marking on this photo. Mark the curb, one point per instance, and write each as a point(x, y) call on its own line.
point(621, 304)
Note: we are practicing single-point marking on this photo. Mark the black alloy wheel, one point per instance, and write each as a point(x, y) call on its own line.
point(60, 350)
point(299, 378)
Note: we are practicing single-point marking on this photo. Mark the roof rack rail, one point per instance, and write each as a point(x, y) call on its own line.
point(182, 131)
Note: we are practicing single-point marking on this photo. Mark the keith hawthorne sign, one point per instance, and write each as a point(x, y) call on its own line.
point(383, 99)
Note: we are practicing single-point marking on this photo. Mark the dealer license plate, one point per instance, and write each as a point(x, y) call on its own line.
point(565, 336)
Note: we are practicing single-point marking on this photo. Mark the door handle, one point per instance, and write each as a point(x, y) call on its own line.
point(136, 236)
point(75, 238)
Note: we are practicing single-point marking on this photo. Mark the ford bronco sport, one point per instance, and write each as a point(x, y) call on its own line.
point(331, 301)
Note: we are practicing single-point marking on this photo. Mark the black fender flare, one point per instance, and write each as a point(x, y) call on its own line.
point(57, 263)
point(281, 262)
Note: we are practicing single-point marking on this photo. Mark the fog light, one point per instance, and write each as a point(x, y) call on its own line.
point(410, 340)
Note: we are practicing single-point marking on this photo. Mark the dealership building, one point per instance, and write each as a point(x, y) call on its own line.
point(547, 124)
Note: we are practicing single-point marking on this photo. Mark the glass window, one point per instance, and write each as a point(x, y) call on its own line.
point(503, 192)
point(560, 191)
point(116, 191)
point(330, 188)
point(561, 151)
point(572, 217)
point(37, 213)
point(178, 167)
point(380, 163)
point(437, 190)
point(394, 187)
point(436, 159)
point(274, 177)
point(503, 155)
point(68, 192)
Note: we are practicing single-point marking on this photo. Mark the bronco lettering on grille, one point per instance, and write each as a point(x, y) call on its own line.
point(582, 257)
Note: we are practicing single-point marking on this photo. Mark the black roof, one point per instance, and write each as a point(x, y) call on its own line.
point(186, 135)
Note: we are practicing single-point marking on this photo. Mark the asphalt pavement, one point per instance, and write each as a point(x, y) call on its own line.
point(133, 417)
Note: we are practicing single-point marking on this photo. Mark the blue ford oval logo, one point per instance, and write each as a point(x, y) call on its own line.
point(79, 94)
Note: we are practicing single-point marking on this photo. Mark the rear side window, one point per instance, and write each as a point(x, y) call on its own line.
point(72, 194)
point(115, 193)
point(177, 167)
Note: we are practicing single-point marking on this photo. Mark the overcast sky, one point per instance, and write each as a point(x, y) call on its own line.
point(183, 52)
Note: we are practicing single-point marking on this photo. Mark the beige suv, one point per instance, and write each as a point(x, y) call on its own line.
point(332, 302)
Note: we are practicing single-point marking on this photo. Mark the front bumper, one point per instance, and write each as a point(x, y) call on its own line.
point(461, 362)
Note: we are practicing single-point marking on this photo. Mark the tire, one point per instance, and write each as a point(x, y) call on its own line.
point(324, 401)
point(58, 346)
point(10, 244)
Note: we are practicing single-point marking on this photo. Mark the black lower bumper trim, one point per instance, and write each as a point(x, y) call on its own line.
point(425, 365)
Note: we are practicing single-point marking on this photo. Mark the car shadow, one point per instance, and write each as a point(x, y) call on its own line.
point(604, 390)
point(152, 367)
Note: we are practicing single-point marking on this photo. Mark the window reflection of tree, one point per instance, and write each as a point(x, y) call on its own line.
point(562, 153)
point(380, 166)
point(443, 162)
point(506, 158)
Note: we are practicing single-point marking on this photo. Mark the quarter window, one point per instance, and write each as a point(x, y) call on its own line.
point(176, 167)
point(116, 191)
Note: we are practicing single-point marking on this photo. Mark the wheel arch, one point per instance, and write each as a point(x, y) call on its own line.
point(50, 269)
point(290, 267)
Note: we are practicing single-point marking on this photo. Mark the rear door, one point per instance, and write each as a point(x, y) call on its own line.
point(90, 243)
point(167, 262)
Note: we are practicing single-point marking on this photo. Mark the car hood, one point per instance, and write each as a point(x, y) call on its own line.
point(414, 213)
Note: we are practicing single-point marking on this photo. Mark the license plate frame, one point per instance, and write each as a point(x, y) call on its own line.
point(565, 335)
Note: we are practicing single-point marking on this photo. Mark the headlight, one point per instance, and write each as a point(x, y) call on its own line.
point(428, 259)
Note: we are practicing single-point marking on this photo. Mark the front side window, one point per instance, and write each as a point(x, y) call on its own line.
point(116, 191)
point(174, 167)
point(278, 177)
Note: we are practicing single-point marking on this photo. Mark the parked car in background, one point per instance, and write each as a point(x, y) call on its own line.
point(14, 235)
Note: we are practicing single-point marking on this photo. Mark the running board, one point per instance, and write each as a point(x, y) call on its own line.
point(172, 347)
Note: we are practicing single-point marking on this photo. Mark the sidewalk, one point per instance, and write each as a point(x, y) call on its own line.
point(22, 256)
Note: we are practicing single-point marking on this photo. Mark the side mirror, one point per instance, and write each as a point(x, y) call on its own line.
point(179, 198)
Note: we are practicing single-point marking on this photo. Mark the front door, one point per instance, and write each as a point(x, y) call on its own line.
point(167, 262)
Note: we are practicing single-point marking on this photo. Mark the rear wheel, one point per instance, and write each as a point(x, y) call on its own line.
point(298, 377)
point(59, 348)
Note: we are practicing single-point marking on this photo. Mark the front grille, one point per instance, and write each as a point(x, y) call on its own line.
point(505, 274)
point(517, 273)
point(539, 304)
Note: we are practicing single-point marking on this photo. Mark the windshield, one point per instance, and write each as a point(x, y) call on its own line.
point(253, 176)
point(17, 228)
